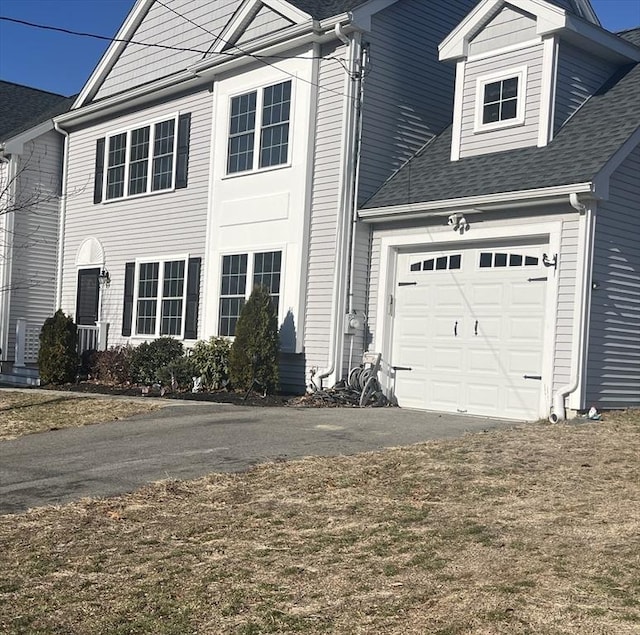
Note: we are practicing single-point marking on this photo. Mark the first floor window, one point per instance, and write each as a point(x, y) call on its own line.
point(265, 270)
point(160, 298)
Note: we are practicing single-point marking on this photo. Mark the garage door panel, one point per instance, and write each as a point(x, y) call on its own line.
point(472, 333)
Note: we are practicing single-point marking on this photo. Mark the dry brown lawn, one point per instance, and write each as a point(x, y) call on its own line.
point(28, 412)
point(532, 530)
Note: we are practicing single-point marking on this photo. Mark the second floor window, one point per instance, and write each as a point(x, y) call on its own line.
point(500, 100)
point(143, 160)
point(262, 115)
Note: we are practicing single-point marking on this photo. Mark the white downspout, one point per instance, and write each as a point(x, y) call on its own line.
point(559, 412)
point(63, 214)
point(344, 217)
point(5, 280)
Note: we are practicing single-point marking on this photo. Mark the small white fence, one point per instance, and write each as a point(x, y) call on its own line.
point(88, 337)
point(27, 342)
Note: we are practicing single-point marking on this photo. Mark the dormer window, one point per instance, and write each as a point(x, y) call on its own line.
point(500, 100)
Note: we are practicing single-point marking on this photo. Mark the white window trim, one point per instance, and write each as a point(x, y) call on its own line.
point(259, 90)
point(521, 74)
point(249, 286)
point(161, 262)
point(151, 125)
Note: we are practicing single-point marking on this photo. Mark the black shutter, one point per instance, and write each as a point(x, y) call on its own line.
point(129, 281)
point(97, 183)
point(193, 298)
point(182, 167)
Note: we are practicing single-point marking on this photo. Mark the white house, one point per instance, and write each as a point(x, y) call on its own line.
point(278, 142)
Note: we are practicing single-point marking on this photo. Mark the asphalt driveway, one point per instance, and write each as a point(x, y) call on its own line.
point(188, 440)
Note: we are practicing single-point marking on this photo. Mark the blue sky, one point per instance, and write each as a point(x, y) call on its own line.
point(62, 63)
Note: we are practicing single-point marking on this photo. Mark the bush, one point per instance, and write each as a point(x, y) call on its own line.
point(58, 357)
point(254, 352)
point(150, 357)
point(178, 374)
point(211, 360)
point(113, 365)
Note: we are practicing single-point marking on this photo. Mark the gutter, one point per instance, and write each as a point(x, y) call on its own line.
point(487, 202)
point(559, 412)
point(63, 214)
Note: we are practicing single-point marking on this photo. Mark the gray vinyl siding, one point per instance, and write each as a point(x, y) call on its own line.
point(141, 64)
point(509, 138)
point(151, 227)
point(35, 234)
point(579, 76)
point(408, 92)
point(613, 362)
point(324, 208)
point(510, 26)
point(265, 22)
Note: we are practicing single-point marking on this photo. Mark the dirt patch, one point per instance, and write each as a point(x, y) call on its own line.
point(528, 530)
point(28, 412)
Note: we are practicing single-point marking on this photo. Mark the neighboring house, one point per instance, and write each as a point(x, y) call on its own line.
point(232, 143)
point(30, 177)
point(531, 306)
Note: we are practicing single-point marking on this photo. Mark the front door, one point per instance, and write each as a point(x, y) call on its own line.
point(88, 295)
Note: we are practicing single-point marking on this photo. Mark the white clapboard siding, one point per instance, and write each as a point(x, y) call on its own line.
point(474, 143)
point(168, 26)
point(613, 362)
point(510, 26)
point(151, 226)
point(35, 236)
point(265, 22)
point(398, 120)
point(324, 208)
point(580, 75)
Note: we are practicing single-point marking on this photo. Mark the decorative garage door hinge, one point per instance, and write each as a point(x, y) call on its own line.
point(407, 284)
point(543, 279)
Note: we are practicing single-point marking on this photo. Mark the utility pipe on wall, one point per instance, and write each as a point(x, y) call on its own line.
point(559, 412)
point(344, 211)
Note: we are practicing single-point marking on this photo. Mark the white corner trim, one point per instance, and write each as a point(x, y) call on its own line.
point(548, 90)
point(458, 100)
point(521, 73)
point(114, 51)
point(601, 180)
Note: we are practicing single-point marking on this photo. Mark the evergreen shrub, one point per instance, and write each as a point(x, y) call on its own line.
point(254, 352)
point(58, 358)
point(178, 374)
point(148, 359)
point(211, 359)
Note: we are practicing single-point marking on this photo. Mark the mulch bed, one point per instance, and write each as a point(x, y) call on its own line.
point(220, 396)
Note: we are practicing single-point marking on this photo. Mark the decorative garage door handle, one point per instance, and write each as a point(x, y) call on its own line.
point(475, 328)
point(455, 330)
point(402, 368)
point(532, 376)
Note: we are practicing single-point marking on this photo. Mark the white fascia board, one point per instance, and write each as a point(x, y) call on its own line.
point(15, 144)
point(601, 180)
point(287, 10)
point(586, 11)
point(114, 51)
point(455, 46)
point(521, 198)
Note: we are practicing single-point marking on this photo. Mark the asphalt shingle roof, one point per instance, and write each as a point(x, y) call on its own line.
point(22, 107)
point(577, 153)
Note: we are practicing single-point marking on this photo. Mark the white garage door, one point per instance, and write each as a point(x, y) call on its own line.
point(468, 330)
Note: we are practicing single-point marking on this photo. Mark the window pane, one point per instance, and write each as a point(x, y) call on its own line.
point(491, 113)
point(115, 165)
point(500, 260)
point(485, 259)
point(510, 88)
point(232, 292)
point(427, 265)
point(492, 92)
point(454, 261)
point(163, 146)
point(274, 137)
point(509, 109)
point(530, 261)
point(515, 260)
